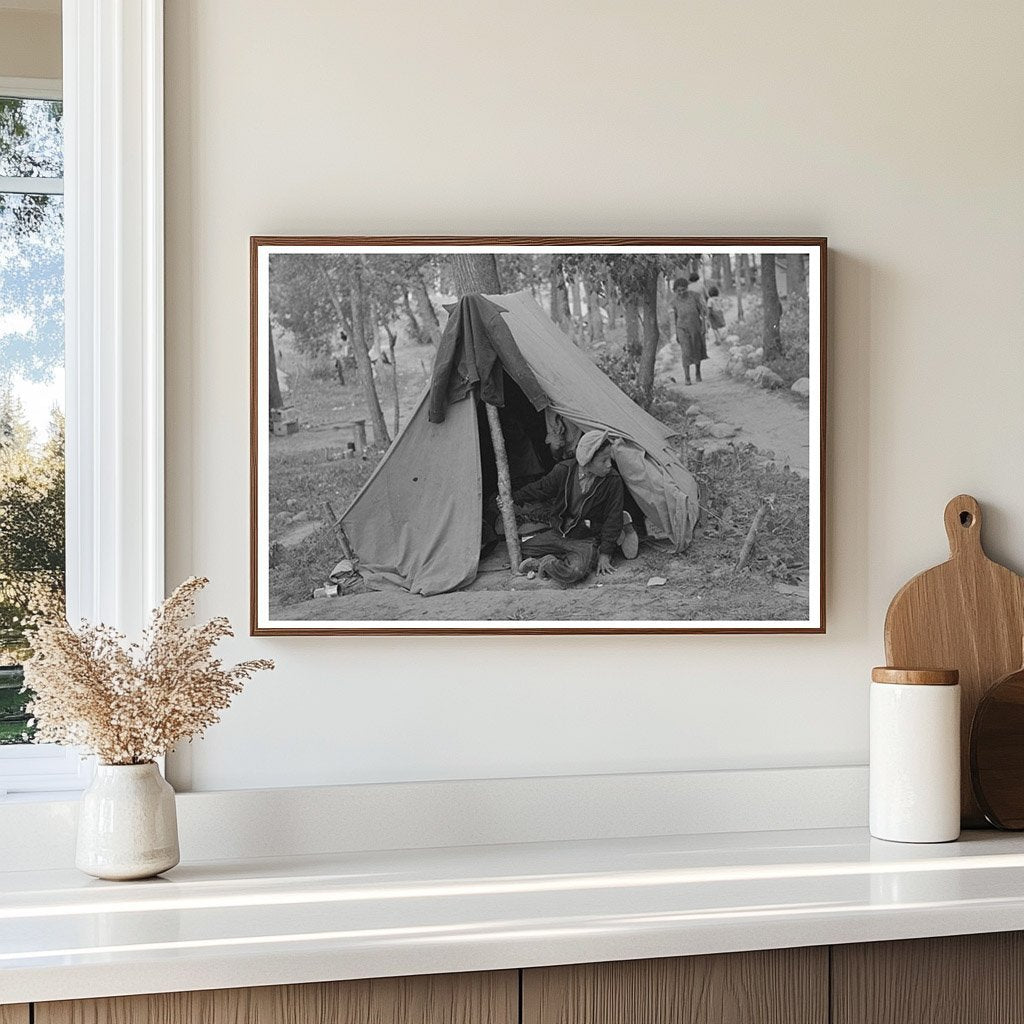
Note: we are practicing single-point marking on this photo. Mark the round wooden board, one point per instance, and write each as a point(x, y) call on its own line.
point(997, 752)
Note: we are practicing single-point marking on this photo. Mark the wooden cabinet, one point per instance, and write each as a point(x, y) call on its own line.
point(491, 998)
point(967, 979)
point(777, 986)
point(962, 979)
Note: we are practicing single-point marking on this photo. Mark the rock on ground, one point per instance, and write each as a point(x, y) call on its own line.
point(802, 387)
point(297, 534)
point(765, 377)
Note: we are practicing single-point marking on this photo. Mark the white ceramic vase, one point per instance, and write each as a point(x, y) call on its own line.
point(127, 825)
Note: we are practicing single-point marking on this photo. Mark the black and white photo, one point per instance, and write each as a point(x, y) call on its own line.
point(537, 435)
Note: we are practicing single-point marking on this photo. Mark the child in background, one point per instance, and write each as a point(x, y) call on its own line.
point(716, 318)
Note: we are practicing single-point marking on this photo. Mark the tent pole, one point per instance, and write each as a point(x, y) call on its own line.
point(508, 515)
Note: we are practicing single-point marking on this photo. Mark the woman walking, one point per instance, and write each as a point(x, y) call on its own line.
point(691, 319)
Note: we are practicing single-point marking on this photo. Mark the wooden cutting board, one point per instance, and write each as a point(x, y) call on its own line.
point(967, 614)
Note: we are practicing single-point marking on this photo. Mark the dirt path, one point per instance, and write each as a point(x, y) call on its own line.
point(774, 421)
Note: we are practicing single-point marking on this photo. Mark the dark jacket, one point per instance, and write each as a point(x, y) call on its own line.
point(477, 349)
point(602, 506)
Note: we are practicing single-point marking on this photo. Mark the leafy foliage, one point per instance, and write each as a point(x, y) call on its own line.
point(31, 526)
point(794, 361)
point(624, 371)
point(300, 302)
point(31, 243)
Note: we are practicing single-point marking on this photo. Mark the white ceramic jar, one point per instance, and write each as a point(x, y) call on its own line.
point(915, 755)
point(127, 823)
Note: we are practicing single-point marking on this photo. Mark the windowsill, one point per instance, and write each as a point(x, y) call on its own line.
point(40, 798)
point(287, 920)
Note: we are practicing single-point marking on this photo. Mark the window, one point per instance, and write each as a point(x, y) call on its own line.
point(113, 329)
point(32, 531)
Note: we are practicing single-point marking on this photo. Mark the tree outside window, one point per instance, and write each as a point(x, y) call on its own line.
point(32, 548)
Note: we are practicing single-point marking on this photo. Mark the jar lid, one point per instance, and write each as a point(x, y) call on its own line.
point(916, 676)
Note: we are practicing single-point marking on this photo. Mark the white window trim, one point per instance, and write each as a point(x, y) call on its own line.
point(32, 186)
point(113, 167)
point(32, 88)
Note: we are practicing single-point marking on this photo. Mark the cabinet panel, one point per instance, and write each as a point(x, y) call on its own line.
point(481, 998)
point(14, 1014)
point(960, 979)
point(778, 986)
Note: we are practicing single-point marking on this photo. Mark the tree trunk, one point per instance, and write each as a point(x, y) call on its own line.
point(652, 336)
point(559, 295)
point(632, 318)
point(613, 306)
point(475, 273)
point(727, 283)
point(577, 309)
point(796, 279)
point(380, 320)
point(507, 509)
point(276, 401)
point(416, 330)
point(361, 350)
point(740, 274)
point(771, 335)
point(394, 380)
point(594, 320)
point(431, 326)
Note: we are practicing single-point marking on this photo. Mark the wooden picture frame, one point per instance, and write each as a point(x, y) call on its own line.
point(756, 550)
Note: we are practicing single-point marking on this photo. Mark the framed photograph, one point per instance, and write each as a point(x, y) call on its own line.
point(537, 435)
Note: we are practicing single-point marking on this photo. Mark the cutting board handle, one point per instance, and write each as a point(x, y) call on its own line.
point(963, 526)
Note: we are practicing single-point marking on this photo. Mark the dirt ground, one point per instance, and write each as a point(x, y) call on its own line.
point(692, 593)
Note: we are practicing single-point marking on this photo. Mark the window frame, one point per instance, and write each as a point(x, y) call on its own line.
point(37, 767)
point(112, 90)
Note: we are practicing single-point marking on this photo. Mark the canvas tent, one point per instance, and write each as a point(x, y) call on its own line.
point(416, 524)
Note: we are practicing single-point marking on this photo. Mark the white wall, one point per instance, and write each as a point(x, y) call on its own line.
point(894, 129)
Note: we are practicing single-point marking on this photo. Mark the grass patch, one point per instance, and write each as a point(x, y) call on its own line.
point(733, 483)
point(300, 482)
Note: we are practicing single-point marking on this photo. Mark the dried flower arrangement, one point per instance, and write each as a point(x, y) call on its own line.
point(130, 703)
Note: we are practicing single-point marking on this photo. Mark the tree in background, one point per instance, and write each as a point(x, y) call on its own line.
point(522, 271)
point(301, 303)
point(741, 282)
point(796, 274)
point(31, 243)
point(559, 295)
point(317, 297)
point(276, 401)
point(587, 274)
point(32, 547)
point(360, 341)
point(420, 275)
point(771, 307)
point(636, 276)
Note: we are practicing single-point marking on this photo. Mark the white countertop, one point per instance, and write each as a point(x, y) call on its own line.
point(226, 924)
